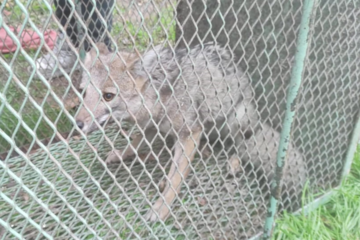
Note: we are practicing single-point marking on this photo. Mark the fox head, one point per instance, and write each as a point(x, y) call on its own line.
point(110, 90)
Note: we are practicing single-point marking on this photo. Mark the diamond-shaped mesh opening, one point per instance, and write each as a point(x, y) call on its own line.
point(57, 181)
point(328, 107)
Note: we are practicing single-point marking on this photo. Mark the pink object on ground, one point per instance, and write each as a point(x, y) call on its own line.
point(29, 39)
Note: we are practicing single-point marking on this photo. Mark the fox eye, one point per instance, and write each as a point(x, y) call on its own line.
point(108, 96)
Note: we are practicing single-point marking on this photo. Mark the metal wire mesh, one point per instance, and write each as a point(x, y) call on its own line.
point(54, 181)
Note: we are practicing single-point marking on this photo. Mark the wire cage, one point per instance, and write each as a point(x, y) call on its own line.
point(292, 64)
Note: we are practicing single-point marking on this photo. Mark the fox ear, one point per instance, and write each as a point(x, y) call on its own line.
point(103, 49)
point(92, 54)
point(140, 84)
point(140, 81)
point(88, 60)
point(130, 59)
point(90, 57)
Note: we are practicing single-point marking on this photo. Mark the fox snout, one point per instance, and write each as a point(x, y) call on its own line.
point(87, 122)
point(81, 120)
point(80, 124)
point(88, 125)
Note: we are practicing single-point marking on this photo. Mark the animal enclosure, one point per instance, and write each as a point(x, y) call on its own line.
point(295, 64)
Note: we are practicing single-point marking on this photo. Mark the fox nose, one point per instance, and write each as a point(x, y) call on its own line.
point(80, 124)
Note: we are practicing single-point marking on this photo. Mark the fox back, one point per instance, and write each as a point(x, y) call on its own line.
point(180, 90)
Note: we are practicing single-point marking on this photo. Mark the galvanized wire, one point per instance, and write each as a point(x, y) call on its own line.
point(53, 178)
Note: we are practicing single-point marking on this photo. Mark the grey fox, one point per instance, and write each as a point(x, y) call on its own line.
point(258, 156)
point(187, 94)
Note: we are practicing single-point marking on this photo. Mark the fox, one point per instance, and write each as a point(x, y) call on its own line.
point(203, 94)
point(258, 156)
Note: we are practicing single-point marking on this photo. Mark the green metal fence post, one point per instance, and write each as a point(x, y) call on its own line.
point(346, 169)
point(296, 77)
point(352, 148)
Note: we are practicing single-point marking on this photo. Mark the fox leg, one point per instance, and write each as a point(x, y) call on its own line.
point(180, 166)
point(114, 155)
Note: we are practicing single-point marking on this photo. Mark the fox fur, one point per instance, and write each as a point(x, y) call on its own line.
point(258, 156)
point(189, 94)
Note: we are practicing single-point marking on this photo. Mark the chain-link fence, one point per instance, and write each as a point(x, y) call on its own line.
point(201, 94)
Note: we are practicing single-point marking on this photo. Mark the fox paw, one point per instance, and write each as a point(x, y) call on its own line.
point(159, 212)
point(113, 157)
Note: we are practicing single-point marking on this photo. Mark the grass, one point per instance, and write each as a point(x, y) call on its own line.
point(34, 120)
point(139, 35)
point(38, 12)
point(32, 117)
point(27, 112)
point(338, 219)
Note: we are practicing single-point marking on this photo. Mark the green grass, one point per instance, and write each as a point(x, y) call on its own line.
point(27, 112)
point(32, 117)
point(29, 115)
point(338, 219)
point(37, 9)
point(140, 35)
